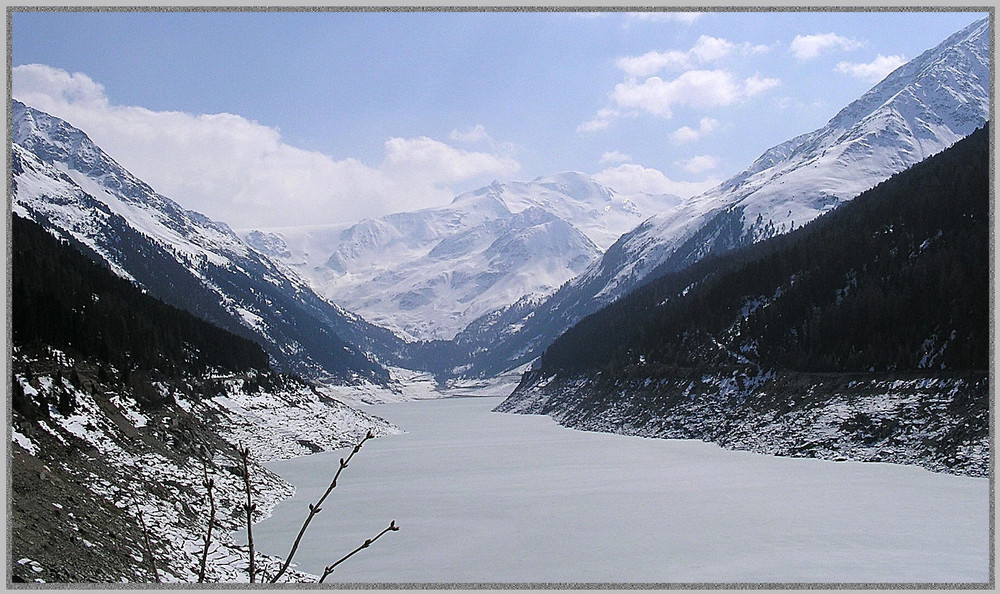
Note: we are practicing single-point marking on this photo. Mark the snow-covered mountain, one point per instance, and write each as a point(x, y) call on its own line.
point(65, 182)
point(428, 273)
point(918, 110)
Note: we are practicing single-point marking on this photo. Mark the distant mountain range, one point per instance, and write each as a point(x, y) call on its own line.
point(428, 274)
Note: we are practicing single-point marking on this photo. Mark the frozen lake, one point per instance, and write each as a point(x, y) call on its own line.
point(490, 497)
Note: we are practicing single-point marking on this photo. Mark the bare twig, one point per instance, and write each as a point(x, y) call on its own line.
point(316, 508)
point(249, 508)
point(329, 568)
point(209, 484)
point(145, 538)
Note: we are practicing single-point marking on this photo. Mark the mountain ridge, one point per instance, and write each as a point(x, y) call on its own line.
point(924, 106)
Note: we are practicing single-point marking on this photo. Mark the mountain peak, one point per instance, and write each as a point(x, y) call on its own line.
point(428, 273)
point(576, 184)
point(957, 60)
point(54, 140)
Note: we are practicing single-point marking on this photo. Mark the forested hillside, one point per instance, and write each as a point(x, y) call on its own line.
point(898, 280)
point(65, 300)
point(865, 333)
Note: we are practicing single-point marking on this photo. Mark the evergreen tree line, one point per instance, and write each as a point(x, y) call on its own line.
point(61, 298)
point(899, 273)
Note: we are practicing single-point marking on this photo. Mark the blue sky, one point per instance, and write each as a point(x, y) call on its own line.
point(286, 118)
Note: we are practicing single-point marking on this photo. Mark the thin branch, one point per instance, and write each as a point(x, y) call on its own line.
point(145, 538)
point(316, 508)
point(329, 568)
point(209, 484)
point(249, 508)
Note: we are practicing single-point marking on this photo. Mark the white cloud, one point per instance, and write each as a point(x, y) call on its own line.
point(700, 89)
point(601, 121)
point(653, 61)
point(816, 107)
point(706, 49)
point(686, 134)
point(40, 82)
point(242, 172)
point(475, 134)
point(699, 164)
point(630, 178)
point(873, 71)
point(435, 160)
point(807, 47)
point(696, 87)
point(615, 157)
point(757, 84)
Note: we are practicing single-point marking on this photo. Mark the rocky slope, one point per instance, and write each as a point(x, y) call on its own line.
point(81, 474)
point(121, 407)
point(937, 421)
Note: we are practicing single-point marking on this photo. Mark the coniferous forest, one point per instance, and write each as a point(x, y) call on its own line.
point(63, 299)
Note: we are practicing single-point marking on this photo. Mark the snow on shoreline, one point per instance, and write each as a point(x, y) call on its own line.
point(133, 458)
point(421, 385)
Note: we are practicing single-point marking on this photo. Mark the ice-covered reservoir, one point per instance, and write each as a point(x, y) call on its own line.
point(489, 497)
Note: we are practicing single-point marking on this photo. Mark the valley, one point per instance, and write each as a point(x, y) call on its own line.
point(782, 379)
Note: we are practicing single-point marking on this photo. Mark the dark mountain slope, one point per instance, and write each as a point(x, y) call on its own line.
point(64, 300)
point(859, 289)
point(891, 287)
